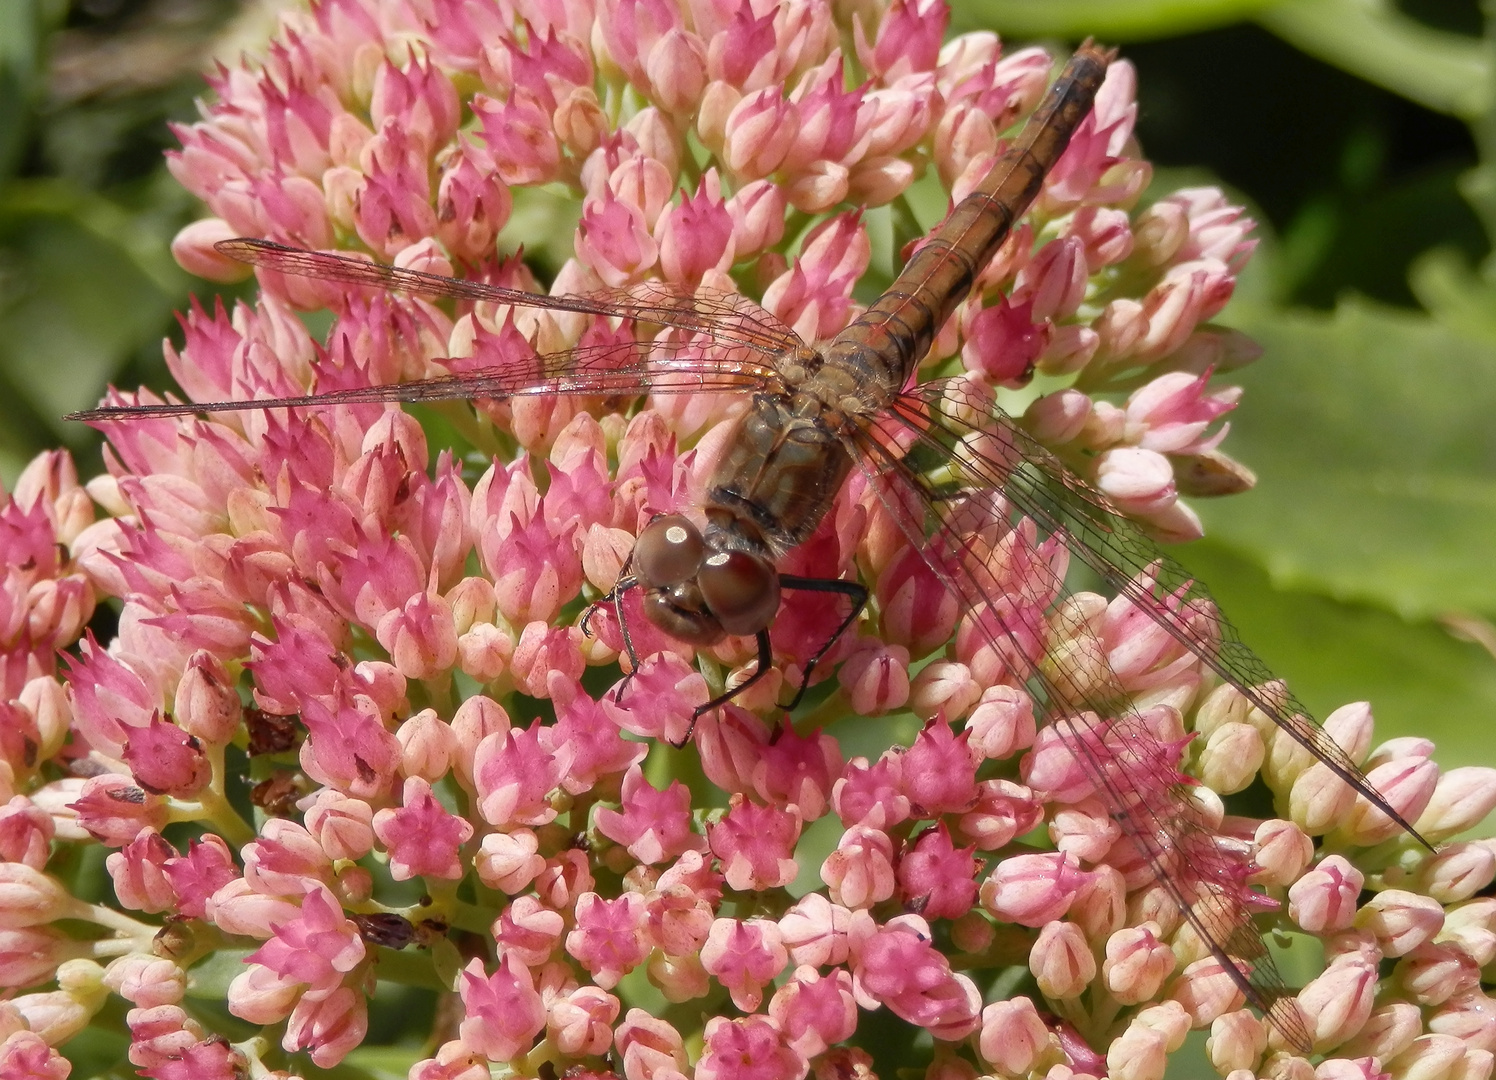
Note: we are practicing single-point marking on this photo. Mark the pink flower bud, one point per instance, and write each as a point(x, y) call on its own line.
point(31, 955)
point(146, 981)
point(1237, 1042)
point(1085, 832)
point(1282, 852)
point(207, 705)
point(453, 1061)
point(1136, 964)
point(876, 678)
point(1389, 1031)
point(676, 69)
point(115, 811)
point(1206, 991)
point(1408, 784)
point(756, 845)
point(26, 833)
point(943, 687)
point(1139, 1053)
point(581, 1023)
point(1456, 872)
point(877, 181)
point(1231, 757)
point(749, 1047)
point(1054, 281)
point(509, 861)
point(1061, 960)
point(529, 931)
point(1462, 799)
point(1099, 908)
point(1159, 232)
point(918, 610)
point(1189, 294)
point(1139, 481)
point(166, 760)
point(860, 872)
point(1003, 810)
point(503, 1011)
point(1338, 1002)
point(342, 826)
point(1400, 920)
point(1004, 341)
point(1466, 1016)
point(1324, 899)
point(1032, 890)
point(1319, 800)
point(815, 931)
point(428, 746)
point(194, 251)
point(420, 637)
point(56, 1016)
point(1429, 1058)
point(758, 133)
point(1013, 1037)
point(745, 956)
point(138, 872)
point(607, 941)
point(1431, 974)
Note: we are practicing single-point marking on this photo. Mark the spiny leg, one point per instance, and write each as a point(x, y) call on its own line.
point(853, 590)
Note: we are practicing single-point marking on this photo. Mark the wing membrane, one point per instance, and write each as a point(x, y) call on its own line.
point(727, 317)
point(1003, 489)
point(688, 363)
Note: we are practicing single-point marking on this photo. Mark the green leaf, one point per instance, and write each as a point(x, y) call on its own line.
point(1108, 20)
point(1371, 432)
point(1419, 679)
point(1446, 72)
point(80, 295)
point(21, 67)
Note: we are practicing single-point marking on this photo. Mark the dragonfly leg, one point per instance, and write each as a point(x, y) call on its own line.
point(765, 663)
point(854, 591)
point(625, 582)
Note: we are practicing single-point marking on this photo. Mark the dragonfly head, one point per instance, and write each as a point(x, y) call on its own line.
point(699, 594)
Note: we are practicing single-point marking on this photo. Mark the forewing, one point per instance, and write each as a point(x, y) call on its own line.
point(983, 502)
point(727, 317)
point(686, 363)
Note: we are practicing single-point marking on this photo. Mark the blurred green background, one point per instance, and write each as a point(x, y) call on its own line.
point(1362, 134)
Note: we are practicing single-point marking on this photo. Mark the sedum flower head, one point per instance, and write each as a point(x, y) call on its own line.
point(350, 656)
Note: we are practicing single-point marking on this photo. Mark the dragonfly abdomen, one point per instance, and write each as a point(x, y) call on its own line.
point(893, 335)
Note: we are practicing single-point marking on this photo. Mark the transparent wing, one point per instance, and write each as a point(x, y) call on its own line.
point(997, 455)
point(711, 342)
point(986, 506)
point(727, 317)
point(626, 369)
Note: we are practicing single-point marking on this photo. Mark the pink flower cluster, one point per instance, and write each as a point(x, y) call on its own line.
point(344, 662)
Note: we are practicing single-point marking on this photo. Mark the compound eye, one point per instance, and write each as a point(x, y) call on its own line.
point(668, 551)
point(741, 589)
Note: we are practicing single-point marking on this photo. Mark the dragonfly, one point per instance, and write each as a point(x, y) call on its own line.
point(954, 472)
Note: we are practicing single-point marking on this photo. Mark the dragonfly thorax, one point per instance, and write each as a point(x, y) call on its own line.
point(699, 590)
